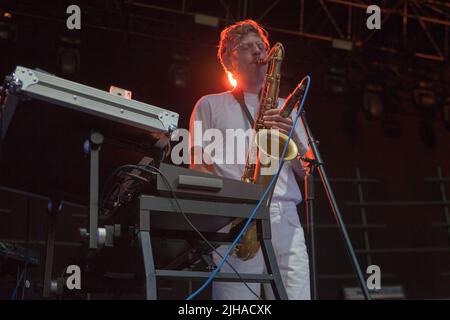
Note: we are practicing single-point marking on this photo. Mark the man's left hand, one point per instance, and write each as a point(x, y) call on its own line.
point(273, 120)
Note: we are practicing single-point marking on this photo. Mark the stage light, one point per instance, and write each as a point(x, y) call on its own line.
point(8, 32)
point(373, 101)
point(179, 72)
point(335, 81)
point(206, 20)
point(342, 44)
point(68, 56)
point(5, 34)
point(424, 97)
point(179, 75)
point(68, 61)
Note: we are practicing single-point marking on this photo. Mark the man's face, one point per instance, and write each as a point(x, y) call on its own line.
point(244, 57)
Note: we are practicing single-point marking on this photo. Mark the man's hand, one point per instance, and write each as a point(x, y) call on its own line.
point(273, 120)
point(309, 155)
point(197, 162)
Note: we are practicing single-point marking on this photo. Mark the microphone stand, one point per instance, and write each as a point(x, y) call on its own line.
point(309, 200)
point(317, 163)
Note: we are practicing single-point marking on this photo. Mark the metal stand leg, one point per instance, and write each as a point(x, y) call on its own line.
point(271, 263)
point(147, 255)
point(53, 210)
point(309, 196)
point(149, 267)
point(95, 142)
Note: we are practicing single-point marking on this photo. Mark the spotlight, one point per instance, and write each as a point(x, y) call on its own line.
point(68, 60)
point(8, 32)
point(180, 76)
point(342, 44)
point(179, 72)
point(424, 97)
point(68, 56)
point(7, 15)
point(335, 81)
point(372, 101)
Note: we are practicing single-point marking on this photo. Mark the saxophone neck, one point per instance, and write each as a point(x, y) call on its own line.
point(276, 53)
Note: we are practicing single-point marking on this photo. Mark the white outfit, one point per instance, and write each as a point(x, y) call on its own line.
point(222, 111)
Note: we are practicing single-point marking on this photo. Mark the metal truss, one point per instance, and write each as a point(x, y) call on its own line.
point(422, 26)
point(419, 28)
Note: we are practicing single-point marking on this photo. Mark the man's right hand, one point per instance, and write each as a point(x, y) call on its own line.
point(197, 153)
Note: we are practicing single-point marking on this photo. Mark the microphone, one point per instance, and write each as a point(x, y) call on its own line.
point(292, 99)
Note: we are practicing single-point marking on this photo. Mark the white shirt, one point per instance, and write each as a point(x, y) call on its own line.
point(221, 111)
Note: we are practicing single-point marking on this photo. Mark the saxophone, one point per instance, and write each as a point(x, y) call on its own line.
point(266, 147)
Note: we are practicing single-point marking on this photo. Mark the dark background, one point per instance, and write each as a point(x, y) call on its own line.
point(156, 50)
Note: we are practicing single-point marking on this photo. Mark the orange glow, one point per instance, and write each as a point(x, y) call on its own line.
point(7, 14)
point(231, 79)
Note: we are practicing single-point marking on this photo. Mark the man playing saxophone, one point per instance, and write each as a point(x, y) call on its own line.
point(241, 49)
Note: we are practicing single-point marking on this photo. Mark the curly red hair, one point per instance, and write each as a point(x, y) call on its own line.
point(231, 35)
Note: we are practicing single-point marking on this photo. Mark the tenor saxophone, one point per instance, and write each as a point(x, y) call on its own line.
point(267, 146)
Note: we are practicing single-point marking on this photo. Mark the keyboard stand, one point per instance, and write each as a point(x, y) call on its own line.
point(151, 206)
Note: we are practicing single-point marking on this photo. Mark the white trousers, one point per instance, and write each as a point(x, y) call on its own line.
point(288, 241)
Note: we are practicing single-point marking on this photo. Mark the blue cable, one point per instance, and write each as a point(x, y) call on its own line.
point(274, 178)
